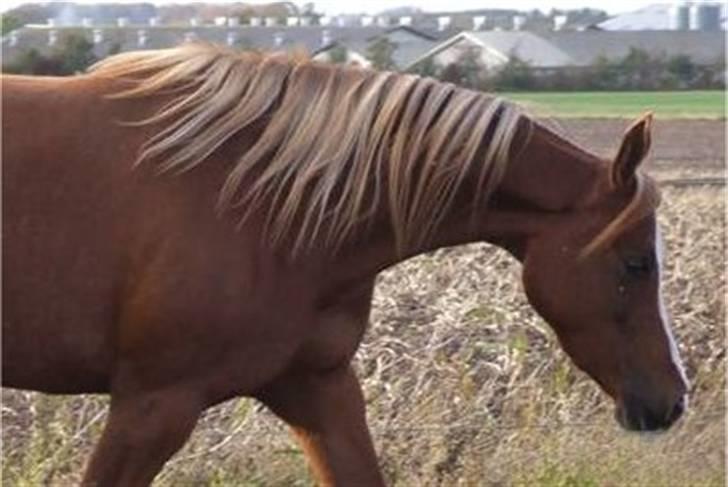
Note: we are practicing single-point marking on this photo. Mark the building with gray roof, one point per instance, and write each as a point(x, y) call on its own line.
point(311, 39)
point(409, 44)
point(559, 49)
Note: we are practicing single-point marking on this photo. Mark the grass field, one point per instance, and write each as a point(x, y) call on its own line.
point(665, 104)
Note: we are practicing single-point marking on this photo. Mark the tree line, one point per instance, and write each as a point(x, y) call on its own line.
point(637, 71)
point(74, 54)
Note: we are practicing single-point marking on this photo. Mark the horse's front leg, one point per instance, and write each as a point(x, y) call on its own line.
point(326, 412)
point(143, 430)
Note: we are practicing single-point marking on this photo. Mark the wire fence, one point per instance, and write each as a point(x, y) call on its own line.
point(474, 424)
point(685, 182)
point(703, 417)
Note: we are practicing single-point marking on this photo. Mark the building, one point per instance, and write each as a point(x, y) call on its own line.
point(313, 39)
point(566, 43)
point(568, 49)
point(680, 15)
point(409, 44)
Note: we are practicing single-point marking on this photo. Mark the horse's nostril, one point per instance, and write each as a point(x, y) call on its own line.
point(677, 410)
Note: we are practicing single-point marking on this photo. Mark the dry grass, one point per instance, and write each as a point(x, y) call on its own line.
point(466, 386)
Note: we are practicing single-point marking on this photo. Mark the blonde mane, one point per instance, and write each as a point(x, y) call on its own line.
point(643, 202)
point(337, 143)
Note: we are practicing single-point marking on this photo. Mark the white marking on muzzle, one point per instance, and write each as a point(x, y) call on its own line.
point(664, 316)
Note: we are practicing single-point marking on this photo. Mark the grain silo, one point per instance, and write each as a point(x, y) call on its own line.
point(705, 16)
point(680, 16)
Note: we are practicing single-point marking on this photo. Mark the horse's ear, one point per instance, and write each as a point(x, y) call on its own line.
point(635, 146)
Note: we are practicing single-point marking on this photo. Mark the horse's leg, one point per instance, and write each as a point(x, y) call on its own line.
point(141, 433)
point(326, 412)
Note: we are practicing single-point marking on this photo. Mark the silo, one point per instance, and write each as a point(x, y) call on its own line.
point(680, 16)
point(705, 16)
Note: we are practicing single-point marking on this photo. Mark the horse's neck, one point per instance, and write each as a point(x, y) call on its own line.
point(552, 174)
point(546, 177)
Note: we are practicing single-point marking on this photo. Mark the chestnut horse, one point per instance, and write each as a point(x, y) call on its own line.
point(198, 224)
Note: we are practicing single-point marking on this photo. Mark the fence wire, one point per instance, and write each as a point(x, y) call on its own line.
point(686, 182)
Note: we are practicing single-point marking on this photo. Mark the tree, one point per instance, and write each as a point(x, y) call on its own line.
point(637, 69)
point(73, 56)
point(10, 23)
point(76, 54)
point(452, 73)
point(380, 52)
point(338, 54)
point(427, 67)
point(604, 74)
point(115, 48)
point(516, 74)
point(467, 71)
point(473, 69)
point(683, 70)
point(31, 61)
point(29, 13)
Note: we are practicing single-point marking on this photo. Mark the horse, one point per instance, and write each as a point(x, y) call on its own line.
point(197, 224)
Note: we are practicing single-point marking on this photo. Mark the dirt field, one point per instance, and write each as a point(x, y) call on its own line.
point(465, 384)
point(675, 142)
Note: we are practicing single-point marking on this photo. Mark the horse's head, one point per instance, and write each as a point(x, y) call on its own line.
point(594, 275)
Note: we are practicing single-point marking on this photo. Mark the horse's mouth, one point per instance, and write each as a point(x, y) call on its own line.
point(639, 418)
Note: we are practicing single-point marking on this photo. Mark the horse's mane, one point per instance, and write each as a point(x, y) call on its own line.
point(336, 144)
point(644, 201)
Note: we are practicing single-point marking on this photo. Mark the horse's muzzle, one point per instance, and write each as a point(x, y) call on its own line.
point(635, 415)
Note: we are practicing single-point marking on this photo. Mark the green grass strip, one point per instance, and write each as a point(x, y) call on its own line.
point(624, 104)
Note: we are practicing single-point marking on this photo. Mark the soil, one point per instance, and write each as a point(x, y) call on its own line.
point(675, 142)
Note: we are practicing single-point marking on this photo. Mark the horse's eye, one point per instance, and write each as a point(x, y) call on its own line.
point(638, 265)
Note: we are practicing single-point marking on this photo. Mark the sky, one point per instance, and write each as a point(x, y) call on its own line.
point(332, 7)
